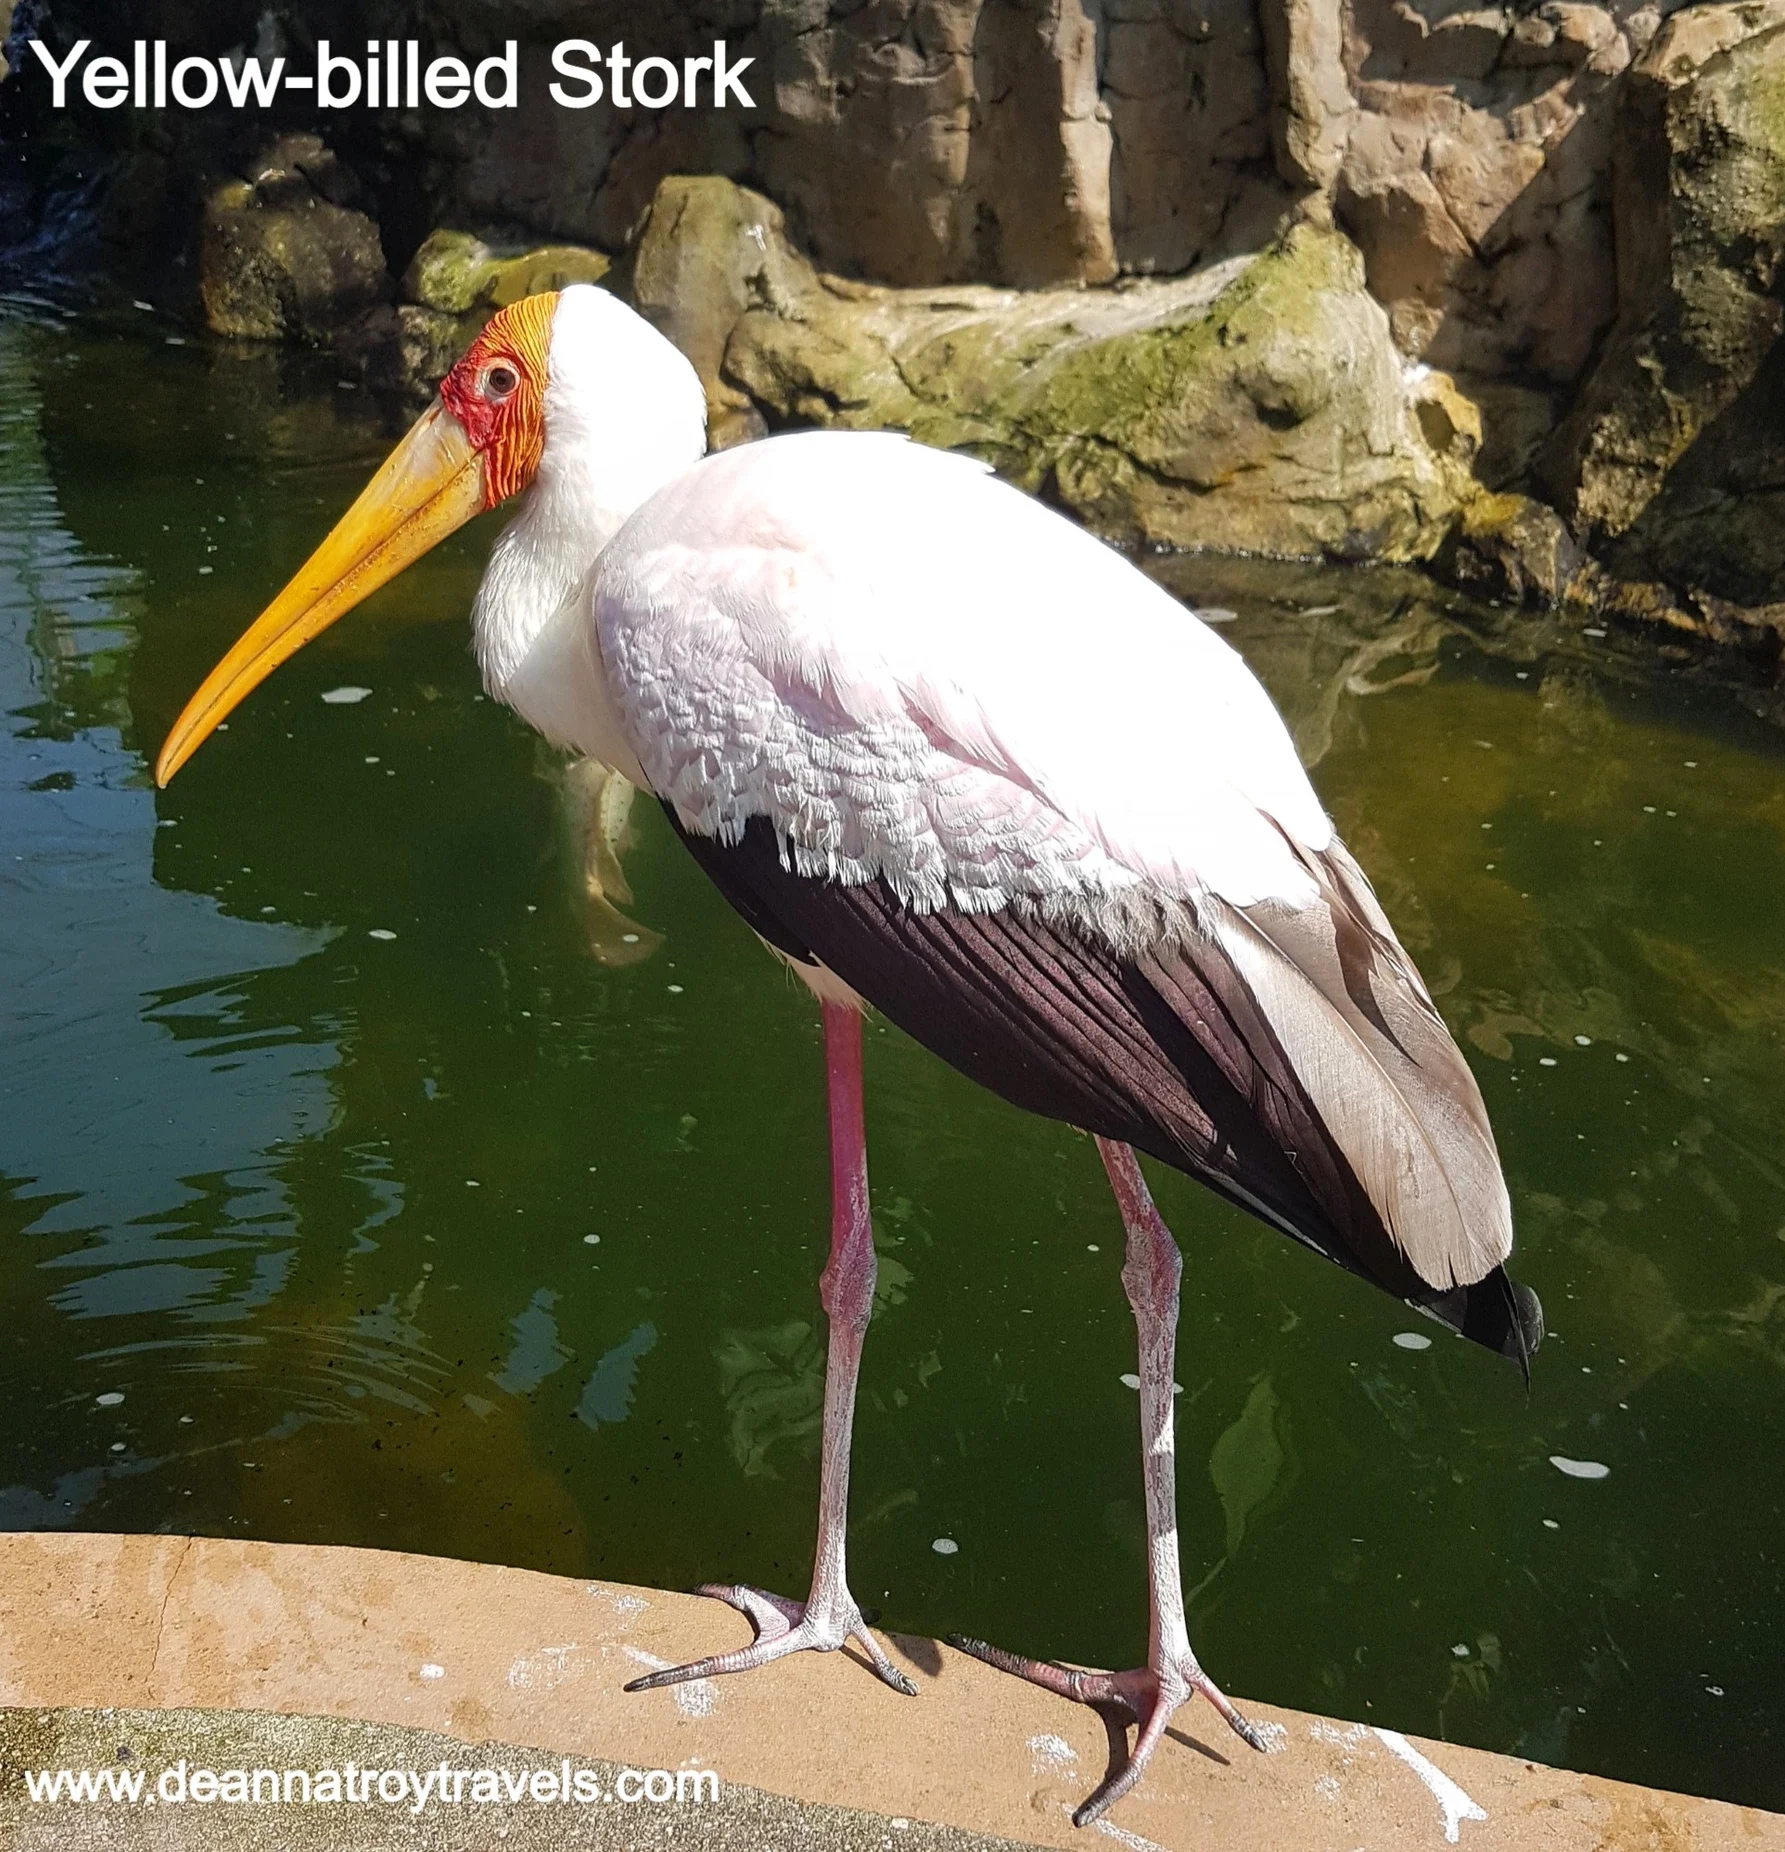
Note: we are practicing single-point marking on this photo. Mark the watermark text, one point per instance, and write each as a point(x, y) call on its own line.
point(448, 1785)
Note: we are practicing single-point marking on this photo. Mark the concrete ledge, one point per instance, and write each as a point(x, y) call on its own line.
point(486, 1655)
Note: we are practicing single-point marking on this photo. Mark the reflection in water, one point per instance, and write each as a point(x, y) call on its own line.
point(598, 821)
point(772, 1382)
point(499, 1236)
point(536, 1351)
point(143, 1142)
point(1247, 1461)
point(607, 1395)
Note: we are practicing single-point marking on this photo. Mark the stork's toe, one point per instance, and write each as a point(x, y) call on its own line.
point(783, 1627)
point(1145, 1696)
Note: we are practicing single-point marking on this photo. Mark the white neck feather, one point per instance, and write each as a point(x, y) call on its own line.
point(624, 415)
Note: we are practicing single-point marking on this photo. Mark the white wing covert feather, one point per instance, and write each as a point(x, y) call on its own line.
point(915, 671)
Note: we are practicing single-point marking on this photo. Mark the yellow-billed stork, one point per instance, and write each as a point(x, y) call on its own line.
point(954, 759)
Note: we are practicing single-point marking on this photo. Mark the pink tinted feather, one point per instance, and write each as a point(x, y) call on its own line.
point(844, 586)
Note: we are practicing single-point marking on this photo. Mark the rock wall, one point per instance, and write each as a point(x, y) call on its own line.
point(1466, 148)
point(913, 141)
point(1568, 212)
point(1476, 176)
point(1672, 459)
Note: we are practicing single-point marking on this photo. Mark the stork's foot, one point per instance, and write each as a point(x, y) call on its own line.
point(784, 1627)
point(1145, 1697)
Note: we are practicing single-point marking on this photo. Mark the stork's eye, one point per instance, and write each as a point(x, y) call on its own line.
point(500, 381)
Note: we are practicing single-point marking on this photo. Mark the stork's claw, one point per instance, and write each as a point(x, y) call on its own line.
point(783, 1627)
point(1144, 1697)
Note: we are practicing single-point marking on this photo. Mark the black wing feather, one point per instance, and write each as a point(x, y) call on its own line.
point(1169, 1053)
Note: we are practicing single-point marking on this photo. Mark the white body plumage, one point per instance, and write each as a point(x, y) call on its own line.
point(917, 674)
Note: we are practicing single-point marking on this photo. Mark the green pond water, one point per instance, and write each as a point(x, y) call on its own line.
point(467, 1241)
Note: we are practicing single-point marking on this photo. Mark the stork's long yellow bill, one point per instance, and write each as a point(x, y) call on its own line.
point(432, 483)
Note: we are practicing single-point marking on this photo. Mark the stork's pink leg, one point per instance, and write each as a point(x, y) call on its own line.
point(829, 1615)
point(1150, 1694)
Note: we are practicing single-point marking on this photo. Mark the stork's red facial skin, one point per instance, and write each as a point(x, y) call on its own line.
point(497, 392)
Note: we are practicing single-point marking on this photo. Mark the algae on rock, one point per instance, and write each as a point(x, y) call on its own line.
point(456, 272)
point(1255, 406)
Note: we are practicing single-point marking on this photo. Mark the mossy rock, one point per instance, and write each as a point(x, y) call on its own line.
point(456, 272)
point(286, 273)
point(449, 272)
point(552, 266)
point(1258, 406)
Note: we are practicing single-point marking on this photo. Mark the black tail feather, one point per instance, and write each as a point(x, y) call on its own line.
point(1497, 1313)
